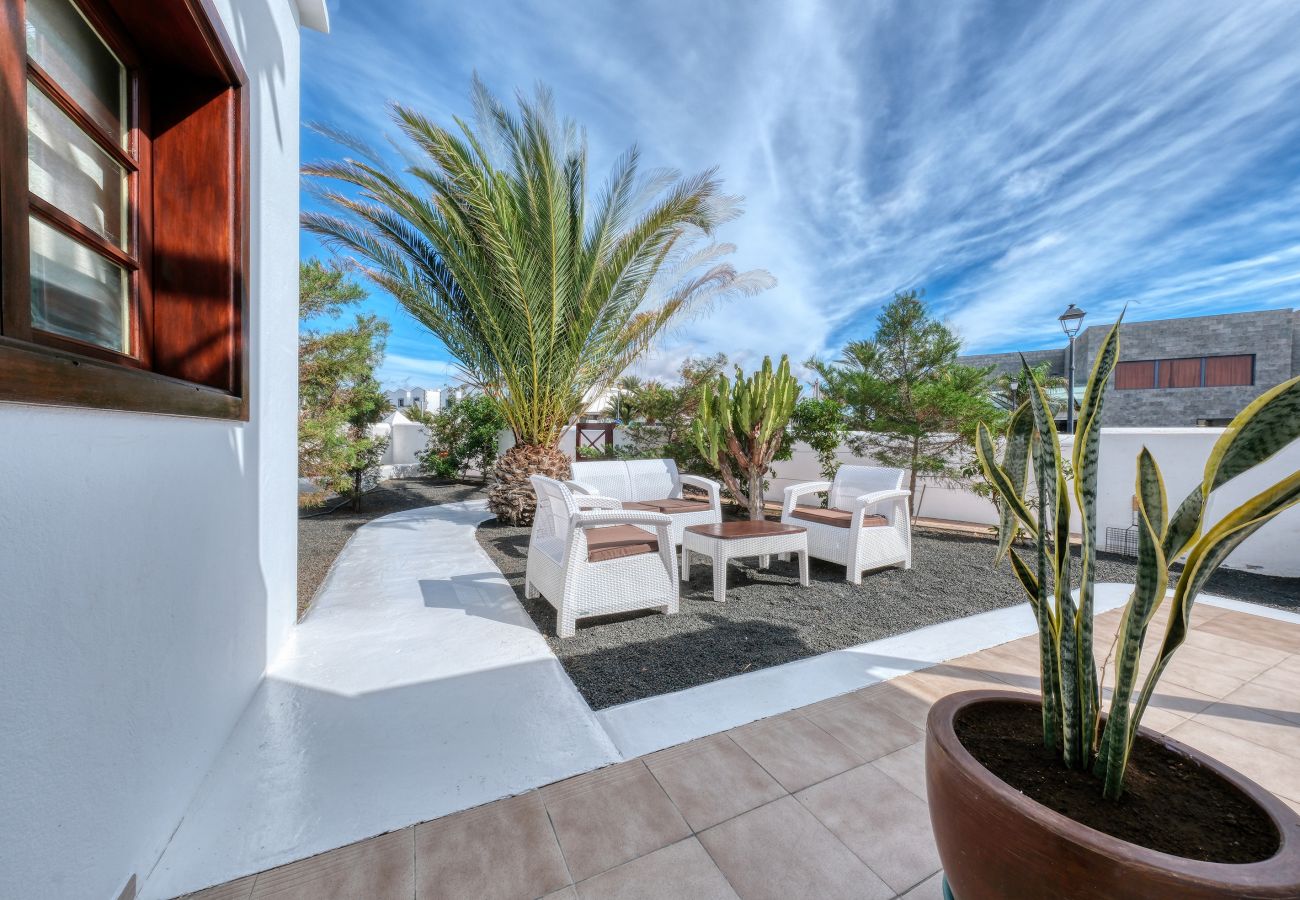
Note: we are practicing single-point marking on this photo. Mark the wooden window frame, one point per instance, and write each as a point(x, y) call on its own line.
point(188, 335)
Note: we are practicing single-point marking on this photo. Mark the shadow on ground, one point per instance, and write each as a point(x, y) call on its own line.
point(769, 619)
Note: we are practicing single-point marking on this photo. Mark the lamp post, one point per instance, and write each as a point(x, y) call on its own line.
point(1070, 320)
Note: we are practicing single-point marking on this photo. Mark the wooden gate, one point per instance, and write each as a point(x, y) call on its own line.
point(598, 436)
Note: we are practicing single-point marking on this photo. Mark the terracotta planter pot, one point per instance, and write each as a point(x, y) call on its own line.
point(997, 843)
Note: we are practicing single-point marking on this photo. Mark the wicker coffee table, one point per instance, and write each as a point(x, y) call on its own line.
point(734, 540)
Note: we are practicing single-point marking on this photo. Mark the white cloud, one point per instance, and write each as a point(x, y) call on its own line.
point(1012, 161)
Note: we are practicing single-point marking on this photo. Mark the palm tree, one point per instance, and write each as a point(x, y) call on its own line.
point(489, 239)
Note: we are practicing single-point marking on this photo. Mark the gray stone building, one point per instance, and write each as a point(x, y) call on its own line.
point(1180, 372)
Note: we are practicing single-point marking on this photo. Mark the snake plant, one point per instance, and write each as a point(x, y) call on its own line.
point(1031, 484)
point(740, 426)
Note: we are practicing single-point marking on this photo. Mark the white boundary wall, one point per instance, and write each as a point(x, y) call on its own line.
point(147, 563)
point(1181, 454)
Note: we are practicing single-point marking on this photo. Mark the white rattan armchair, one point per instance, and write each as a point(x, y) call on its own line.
point(590, 557)
point(866, 524)
point(650, 485)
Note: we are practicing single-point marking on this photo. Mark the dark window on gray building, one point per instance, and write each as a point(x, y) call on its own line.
point(1186, 372)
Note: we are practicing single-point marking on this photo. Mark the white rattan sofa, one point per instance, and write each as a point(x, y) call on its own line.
point(589, 557)
point(866, 524)
point(650, 485)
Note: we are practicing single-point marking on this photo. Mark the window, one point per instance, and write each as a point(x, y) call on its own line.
point(1195, 371)
point(1224, 371)
point(1179, 373)
point(1130, 375)
point(121, 208)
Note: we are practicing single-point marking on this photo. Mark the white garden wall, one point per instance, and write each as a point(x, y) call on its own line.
point(147, 566)
point(1181, 454)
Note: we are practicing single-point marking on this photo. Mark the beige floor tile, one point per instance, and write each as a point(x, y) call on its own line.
point(564, 893)
point(711, 780)
point(942, 680)
point(867, 728)
point(1256, 630)
point(1251, 651)
point(1254, 725)
point(1018, 668)
point(1225, 663)
point(1280, 678)
point(1204, 612)
point(930, 889)
point(1186, 670)
point(682, 870)
point(1284, 704)
point(1291, 664)
point(1159, 720)
point(502, 851)
point(605, 818)
point(886, 825)
point(906, 766)
point(240, 889)
point(906, 702)
point(1170, 696)
point(780, 851)
point(795, 751)
point(381, 868)
point(1279, 773)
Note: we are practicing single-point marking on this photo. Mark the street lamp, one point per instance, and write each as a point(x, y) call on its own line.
point(1071, 320)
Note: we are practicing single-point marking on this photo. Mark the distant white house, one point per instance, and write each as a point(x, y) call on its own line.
point(423, 399)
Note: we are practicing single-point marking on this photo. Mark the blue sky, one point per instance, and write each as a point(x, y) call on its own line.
point(1009, 158)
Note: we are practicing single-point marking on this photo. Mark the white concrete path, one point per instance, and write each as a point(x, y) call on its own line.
point(416, 686)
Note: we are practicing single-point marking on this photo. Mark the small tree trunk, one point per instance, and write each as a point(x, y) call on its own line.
point(911, 484)
point(756, 496)
point(356, 491)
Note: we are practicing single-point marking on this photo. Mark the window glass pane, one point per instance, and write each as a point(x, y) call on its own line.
point(1133, 375)
point(1180, 373)
point(1225, 371)
point(67, 168)
point(76, 292)
point(61, 42)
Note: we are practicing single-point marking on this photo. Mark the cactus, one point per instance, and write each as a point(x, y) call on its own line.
point(740, 427)
point(1072, 723)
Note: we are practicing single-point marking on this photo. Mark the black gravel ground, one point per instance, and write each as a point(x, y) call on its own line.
point(321, 535)
point(769, 619)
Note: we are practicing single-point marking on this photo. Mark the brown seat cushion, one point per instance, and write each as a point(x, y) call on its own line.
point(840, 518)
point(608, 542)
point(670, 506)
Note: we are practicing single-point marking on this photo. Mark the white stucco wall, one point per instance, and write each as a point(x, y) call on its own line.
point(1181, 454)
point(147, 566)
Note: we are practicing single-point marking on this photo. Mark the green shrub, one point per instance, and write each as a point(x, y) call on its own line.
point(463, 436)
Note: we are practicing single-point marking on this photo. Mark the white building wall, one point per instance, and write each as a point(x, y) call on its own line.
point(147, 563)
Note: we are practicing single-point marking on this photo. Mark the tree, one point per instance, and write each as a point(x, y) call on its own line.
point(540, 295)
point(463, 436)
point(339, 398)
point(666, 434)
point(740, 428)
point(819, 423)
point(1011, 389)
point(914, 405)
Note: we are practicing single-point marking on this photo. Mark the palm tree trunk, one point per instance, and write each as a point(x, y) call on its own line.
point(511, 496)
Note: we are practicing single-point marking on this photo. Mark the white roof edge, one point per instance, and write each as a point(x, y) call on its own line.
point(314, 15)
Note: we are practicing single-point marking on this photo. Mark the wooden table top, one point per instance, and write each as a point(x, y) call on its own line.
point(730, 531)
